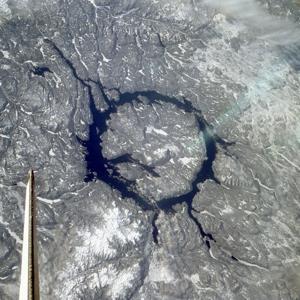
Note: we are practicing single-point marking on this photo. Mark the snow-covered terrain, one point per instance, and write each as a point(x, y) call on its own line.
point(165, 139)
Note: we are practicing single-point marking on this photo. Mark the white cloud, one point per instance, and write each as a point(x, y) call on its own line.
point(271, 28)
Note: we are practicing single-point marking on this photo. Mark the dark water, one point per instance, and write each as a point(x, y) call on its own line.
point(40, 71)
point(155, 229)
point(100, 168)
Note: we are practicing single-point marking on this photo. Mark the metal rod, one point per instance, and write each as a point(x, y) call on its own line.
point(29, 287)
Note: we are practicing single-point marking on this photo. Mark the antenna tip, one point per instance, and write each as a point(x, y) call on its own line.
point(31, 173)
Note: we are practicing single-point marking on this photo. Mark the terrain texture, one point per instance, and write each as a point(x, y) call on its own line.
point(165, 140)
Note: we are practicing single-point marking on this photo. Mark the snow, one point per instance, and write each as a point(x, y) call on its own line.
point(226, 210)
point(105, 59)
point(118, 281)
point(4, 10)
point(96, 248)
point(51, 152)
point(122, 281)
point(79, 54)
point(5, 53)
point(162, 151)
point(160, 272)
point(49, 201)
point(186, 160)
point(115, 227)
point(150, 129)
